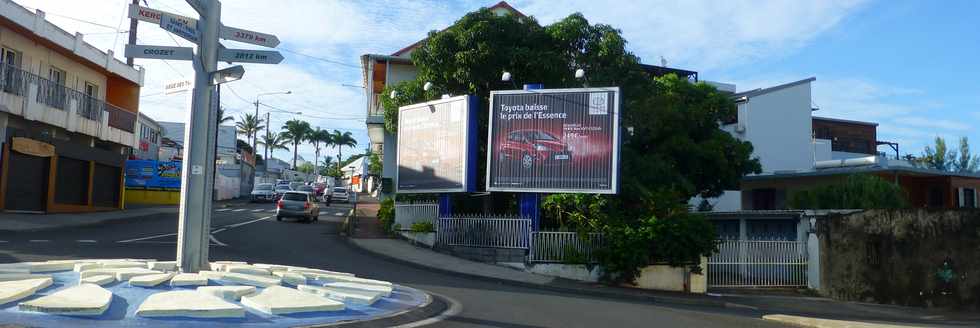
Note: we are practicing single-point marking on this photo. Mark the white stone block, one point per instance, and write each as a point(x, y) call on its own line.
point(291, 278)
point(231, 293)
point(21, 276)
point(246, 269)
point(19, 289)
point(188, 303)
point(363, 289)
point(162, 265)
point(363, 298)
point(272, 267)
point(213, 275)
point(189, 279)
point(283, 300)
point(150, 280)
point(100, 280)
point(335, 278)
point(79, 267)
point(52, 266)
point(84, 299)
point(251, 280)
point(122, 274)
point(122, 264)
point(311, 273)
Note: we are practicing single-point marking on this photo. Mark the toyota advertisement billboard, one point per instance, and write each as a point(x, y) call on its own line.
point(436, 146)
point(554, 141)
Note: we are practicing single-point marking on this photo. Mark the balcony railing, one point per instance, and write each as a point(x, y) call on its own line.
point(17, 82)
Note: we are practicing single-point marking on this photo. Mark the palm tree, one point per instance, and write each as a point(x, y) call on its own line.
point(296, 132)
point(273, 142)
point(222, 119)
point(317, 137)
point(250, 125)
point(340, 140)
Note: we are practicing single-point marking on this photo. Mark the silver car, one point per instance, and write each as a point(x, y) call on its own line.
point(298, 204)
point(340, 194)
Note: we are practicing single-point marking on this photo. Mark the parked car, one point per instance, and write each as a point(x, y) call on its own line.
point(534, 147)
point(307, 189)
point(298, 204)
point(281, 189)
point(263, 192)
point(340, 194)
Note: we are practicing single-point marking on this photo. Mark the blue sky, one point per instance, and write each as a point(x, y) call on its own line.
point(908, 65)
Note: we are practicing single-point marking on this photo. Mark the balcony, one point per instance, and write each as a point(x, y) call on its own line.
point(39, 99)
point(376, 113)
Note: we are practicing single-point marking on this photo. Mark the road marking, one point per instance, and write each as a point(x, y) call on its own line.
point(239, 210)
point(216, 241)
point(145, 238)
point(3, 241)
point(453, 308)
point(39, 240)
point(338, 214)
point(222, 210)
point(86, 241)
point(257, 210)
point(236, 225)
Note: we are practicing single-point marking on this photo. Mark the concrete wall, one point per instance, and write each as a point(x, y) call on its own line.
point(779, 126)
point(37, 59)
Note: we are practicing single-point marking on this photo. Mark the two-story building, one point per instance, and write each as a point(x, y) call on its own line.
point(68, 115)
point(149, 138)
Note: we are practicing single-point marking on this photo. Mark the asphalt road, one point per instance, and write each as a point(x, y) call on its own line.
point(249, 232)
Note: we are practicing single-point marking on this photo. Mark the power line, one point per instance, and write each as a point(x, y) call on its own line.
point(320, 58)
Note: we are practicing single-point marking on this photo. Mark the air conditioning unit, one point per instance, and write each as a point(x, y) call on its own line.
point(740, 127)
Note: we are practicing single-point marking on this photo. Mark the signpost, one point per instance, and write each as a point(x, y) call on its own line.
point(200, 136)
point(246, 36)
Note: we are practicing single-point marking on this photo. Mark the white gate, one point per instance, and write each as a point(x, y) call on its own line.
point(408, 213)
point(484, 231)
point(752, 263)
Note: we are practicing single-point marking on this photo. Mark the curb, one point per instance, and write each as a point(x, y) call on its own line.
point(433, 308)
point(87, 224)
point(554, 288)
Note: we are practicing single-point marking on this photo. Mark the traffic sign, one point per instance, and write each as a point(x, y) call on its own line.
point(246, 36)
point(249, 56)
point(159, 52)
point(176, 25)
point(153, 16)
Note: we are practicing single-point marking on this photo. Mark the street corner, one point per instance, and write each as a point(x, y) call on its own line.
point(54, 294)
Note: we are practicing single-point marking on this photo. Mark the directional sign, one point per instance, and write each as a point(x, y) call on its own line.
point(243, 35)
point(249, 56)
point(153, 16)
point(159, 52)
point(177, 25)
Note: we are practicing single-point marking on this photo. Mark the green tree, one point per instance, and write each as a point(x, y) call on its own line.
point(273, 142)
point(222, 119)
point(857, 191)
point(306, 168)
point(341, 140)
point(375, 165)
point(319, 138)
point(250, 125)
point(296, 132)
point(938, 156)
point(966, 162)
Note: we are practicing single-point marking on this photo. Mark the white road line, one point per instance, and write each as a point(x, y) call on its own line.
point(222, 210)
point(239, 210)
point(216, 241)
point(219, 230)
point(338, 214)
point(86, 241)
point(39, 240)
point(453, 309)
point(3, 241)
point(145, 238)
point(257, 210)
point(236, 225)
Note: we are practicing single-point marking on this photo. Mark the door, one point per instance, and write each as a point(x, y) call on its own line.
point(27, 190)
point(11, 79)
point(56, 94)
point(91, 101)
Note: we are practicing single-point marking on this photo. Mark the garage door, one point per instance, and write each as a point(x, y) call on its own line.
point(27, 182)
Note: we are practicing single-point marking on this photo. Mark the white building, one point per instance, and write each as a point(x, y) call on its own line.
point(149, 136)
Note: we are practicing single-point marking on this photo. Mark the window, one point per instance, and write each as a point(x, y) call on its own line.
point(764, 199)
point(936, 198)
point(12, 80)
point(968, 198)
point(53, 91)
point(56, 75)
point(91, 105)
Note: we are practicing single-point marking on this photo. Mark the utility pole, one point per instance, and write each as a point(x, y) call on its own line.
point(133, 22)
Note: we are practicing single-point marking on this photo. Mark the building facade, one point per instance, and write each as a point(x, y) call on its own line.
point(68, 115)
point(149, 138)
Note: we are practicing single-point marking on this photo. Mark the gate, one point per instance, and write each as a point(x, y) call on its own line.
point(752, 263)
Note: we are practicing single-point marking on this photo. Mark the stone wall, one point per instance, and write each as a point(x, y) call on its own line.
point(487, 255)
point(897, 257)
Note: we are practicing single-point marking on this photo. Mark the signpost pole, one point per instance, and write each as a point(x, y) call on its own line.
point(529, 203)
point(196, 185)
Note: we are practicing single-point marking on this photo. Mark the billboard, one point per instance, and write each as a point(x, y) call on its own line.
point(554, 141)
point(153, 174)
point(436, 146)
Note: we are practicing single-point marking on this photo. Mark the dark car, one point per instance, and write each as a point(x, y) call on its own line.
point(533, 147)
point(298, 204)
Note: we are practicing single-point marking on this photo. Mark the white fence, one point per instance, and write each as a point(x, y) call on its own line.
point(408, 213)
point(484, 231)
point(562, 247)
point(750, 263)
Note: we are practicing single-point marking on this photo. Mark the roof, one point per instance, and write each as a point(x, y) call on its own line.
point(762, 91)
point(860, 169)
point(500, 5)
point(838, 120)
point(662, 70)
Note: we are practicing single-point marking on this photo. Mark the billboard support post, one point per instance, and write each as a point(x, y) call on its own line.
point(529, 204)
point(445, 205)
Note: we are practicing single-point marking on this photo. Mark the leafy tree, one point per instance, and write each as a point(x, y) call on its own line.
point(319, 137)
point(273, 142)
point(296, 132)
point(965, 162)
point(306, 168)
point(342, 140)
point(858, 191)
point(250, 125)
point(939, 158)
point(374, 164)
point(222, 119)
point(243, 145)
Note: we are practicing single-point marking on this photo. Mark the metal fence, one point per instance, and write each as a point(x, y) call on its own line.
point(16, 81)
point(484, 231)
point(408, 213)
point(751, 263)
point(121, 119)
point(564, 247)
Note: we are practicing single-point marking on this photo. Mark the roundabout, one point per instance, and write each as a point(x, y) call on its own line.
point(147, 293)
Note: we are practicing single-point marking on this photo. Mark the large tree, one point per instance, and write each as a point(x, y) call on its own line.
point(341, 140)
point(250, 125)
point(297, 132)
point(965, 161)
point(273, 142)
point(319, 138)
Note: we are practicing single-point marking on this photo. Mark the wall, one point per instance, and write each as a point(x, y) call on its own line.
point(896, 257)
point(37, 59)
point(778, 125)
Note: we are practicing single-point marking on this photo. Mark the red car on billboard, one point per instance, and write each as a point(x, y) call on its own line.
point(534, 147)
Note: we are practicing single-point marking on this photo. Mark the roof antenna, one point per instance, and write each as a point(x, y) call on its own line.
point(663, 61)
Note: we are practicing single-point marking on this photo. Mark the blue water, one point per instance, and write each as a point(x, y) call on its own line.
point(126, 299)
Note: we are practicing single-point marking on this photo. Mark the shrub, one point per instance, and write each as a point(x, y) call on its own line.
point(386, 214)
point(858, 191)
point(423, 226)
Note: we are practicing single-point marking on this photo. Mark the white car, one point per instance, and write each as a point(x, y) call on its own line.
point(340, 194)
point(263, 192)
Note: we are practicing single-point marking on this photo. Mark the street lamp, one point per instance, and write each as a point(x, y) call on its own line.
point(579, 73)
point(505, 77)
point(427, 86)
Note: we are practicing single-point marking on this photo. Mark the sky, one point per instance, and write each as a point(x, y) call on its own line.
point(908, 65)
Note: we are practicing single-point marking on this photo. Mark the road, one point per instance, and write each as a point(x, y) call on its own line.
point(249, 232)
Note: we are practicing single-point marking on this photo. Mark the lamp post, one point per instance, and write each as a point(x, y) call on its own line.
point(256, 136)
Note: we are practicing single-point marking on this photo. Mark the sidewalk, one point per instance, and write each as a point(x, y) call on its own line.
point(368, 225)
point(801, 311)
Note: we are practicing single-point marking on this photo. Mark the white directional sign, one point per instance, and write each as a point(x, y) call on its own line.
point(153, 16)
point(249, 56)
point(243, 35)
point(159, 52)
point(177, 25)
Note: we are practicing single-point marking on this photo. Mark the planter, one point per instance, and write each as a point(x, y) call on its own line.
point(424, 238)
point(675, 279)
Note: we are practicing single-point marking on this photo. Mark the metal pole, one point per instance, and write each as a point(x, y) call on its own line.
point(267, 135)
point(132, 33)
point(199, 137)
